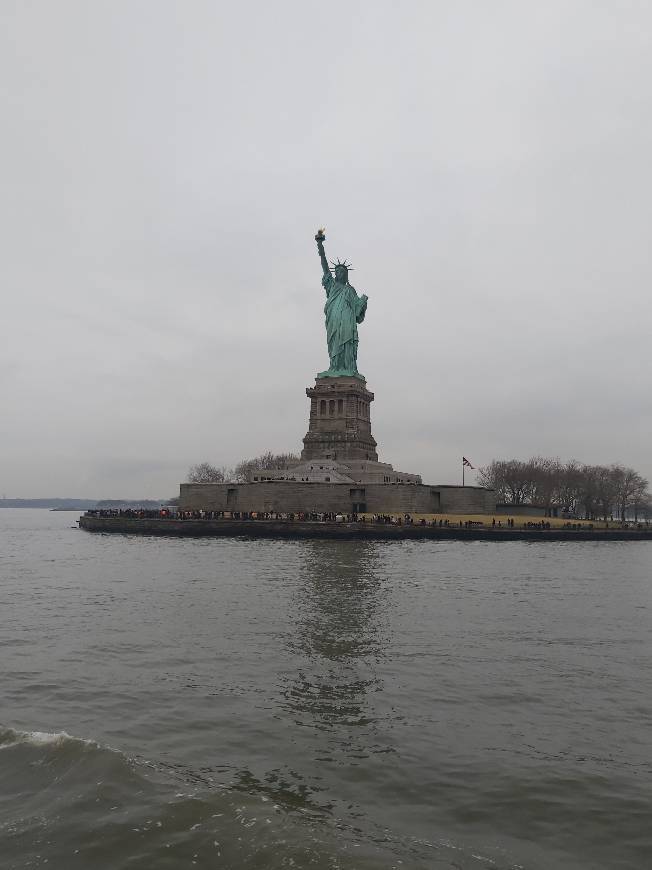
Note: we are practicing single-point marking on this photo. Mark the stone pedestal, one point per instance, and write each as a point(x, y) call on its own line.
point(340, 421)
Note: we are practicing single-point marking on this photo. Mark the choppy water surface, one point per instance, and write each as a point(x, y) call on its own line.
point(199, 703)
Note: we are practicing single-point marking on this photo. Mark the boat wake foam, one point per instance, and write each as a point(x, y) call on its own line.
point(11, 737)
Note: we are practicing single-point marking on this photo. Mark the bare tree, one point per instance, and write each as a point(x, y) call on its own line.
point(511, 478)
point(546, 477)
point(608, 483)
point(631, 485)
point(587, 491)
point(265, 462)
point(570, 488)
point(204, 472)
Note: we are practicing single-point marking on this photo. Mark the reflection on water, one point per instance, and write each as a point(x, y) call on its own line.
point(340, 630)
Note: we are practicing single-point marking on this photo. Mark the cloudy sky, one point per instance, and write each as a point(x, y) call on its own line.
point(486, 166)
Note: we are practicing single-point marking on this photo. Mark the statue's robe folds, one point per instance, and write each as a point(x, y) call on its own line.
point(344, 309)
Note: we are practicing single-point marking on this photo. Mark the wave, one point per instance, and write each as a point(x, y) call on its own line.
point(78, 802)
point(11, 737)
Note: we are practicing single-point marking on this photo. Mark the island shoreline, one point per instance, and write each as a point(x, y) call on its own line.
point(301, 529)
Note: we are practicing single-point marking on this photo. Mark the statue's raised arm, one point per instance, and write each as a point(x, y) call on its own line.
point(320, 238)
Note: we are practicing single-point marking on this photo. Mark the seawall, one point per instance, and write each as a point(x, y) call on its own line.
point(342, 531)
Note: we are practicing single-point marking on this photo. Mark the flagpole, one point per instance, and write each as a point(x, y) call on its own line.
point(462, 471)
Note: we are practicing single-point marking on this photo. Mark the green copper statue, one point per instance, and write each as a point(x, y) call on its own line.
point(344, 309)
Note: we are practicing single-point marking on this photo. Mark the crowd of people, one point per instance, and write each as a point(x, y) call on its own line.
point(337, 517)
point(132, 513)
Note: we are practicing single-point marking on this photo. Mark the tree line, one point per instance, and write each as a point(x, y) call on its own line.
point(573, 488)
point(204, 472)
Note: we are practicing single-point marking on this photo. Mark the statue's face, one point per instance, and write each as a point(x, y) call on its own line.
point(341, 274)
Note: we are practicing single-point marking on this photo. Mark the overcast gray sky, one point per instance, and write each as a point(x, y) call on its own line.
point(486, 166)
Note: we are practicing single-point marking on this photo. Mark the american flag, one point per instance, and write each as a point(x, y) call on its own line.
point(466, 462)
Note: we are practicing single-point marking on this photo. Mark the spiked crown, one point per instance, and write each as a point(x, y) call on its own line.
point(347, 266)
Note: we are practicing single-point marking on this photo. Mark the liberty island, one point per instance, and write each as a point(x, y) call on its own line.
point(339, 475)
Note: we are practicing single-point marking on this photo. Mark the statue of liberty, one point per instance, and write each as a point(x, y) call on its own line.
point(344, 309)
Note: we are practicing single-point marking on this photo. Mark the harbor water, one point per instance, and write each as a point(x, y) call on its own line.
point(228, 703)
